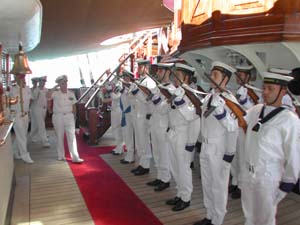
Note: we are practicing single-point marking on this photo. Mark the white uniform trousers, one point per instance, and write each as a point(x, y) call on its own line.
point(161, 152)
point(117, 130)
point(40, 114)
point(258, 199)
point(238, 162)
point(215, 177)
point(34, 133)
point(180, 162)
point(142, 141)
point(128, 132)
point(64, 123)
point(20, 128)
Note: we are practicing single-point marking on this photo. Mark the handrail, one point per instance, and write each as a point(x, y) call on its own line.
point(92, 86)
point(112, 73)
point(3, 140)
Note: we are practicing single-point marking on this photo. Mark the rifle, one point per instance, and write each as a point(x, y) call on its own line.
point(254, 97)
point(90, 71)
point(190, 93)
point(162, 90)
point(80, 73)
point(234, 106)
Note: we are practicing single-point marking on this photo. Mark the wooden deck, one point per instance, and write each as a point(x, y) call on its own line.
point(46, 194)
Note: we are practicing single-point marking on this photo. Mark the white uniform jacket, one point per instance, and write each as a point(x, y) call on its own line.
point(272, 153)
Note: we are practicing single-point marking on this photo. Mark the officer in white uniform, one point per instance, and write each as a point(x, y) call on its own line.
point(34, 133)
point(39, 96)
point(184, 128)
point(21, 118)
point(127, 119)
point(116, 115)
point(272, 153)
point(219, 130)
point(246, 100)
point(158, 129)
point(143, 113)
point(64, 110)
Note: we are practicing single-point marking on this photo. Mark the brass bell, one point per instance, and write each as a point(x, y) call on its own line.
point(21, 66)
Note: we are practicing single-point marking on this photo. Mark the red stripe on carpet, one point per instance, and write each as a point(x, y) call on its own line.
point(109, 200)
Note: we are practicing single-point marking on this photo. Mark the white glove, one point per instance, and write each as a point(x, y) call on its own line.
point(278, 196)
point(155, 90)
point(179, 92)
point(218, 103)
point(109, 87)
point(172, 89)
point(133, 87)
point(242, 93)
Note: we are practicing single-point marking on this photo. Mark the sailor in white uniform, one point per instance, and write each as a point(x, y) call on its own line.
point(127, 118)
point(34, 133)
point(39, 96)
point(143, 114)
point(184, 128)
point(21, 118)
point(219, 130)
point(272, 153)
point(158, 129)
point(64, 111)
point(116, 115)
point(247, 98)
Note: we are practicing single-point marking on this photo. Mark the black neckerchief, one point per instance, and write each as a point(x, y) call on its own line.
point(262, 119)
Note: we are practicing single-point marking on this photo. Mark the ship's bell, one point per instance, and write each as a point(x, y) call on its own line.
point(20, 66)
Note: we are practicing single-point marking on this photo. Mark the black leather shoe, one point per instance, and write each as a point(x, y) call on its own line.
point(135, 169)
point(236, 194)
point(155, 182)
point(232, 188)
point(173, 201)
point(115, 153)
point(123, 161)
point(141, 171)
point(162, 186)
point(205, 221)
point(181, 205)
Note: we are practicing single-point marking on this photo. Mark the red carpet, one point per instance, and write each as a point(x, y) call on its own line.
point(109, 200)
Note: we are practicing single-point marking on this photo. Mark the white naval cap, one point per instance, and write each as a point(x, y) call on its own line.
point(185, 68)
point(243, 68)
point(222, 67)
point(61, 78)
point(165, 65)
point(143, 61)
point(280, 71)
point(35, 79)
point(276, 78)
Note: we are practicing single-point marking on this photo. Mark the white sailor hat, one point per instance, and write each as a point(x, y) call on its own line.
point(222, 67)
point(143, 61)
point(188, 69)
point(244, 68)
point(43, 78)
point(280, 71)
point(128, 74)
point(165, 65)
point(35, 79)
point(61, 78)
point(275, 78)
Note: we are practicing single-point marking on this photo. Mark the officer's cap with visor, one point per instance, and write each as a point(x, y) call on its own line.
point(223, 68)
point(294, 85)
point(61, 78)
